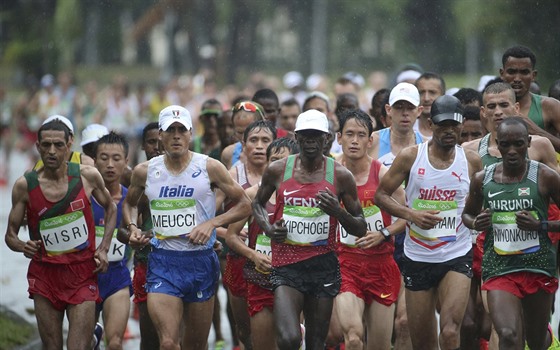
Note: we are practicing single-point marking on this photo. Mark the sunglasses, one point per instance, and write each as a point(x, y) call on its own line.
point(248, 106)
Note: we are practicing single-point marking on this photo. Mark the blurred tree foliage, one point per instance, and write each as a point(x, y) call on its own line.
point(237, 37)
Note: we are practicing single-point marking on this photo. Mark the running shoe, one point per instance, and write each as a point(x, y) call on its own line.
point(98, 335)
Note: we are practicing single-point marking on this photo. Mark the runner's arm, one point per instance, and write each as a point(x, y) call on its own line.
point(130, 206)
point(351, 217)
point(473, 217)
point(20, 198)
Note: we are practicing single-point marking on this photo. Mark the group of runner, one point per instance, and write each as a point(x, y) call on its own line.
point(362, 248)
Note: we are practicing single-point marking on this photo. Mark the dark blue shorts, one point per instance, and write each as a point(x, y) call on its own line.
point(189, 275)
point(116, 278)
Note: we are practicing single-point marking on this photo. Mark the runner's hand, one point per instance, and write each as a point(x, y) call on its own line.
point(328, 202)
point(137, 238)
point(279, 231)
point(200, 235)
point(371, 239)
point(31, 248)
point(262, 262)
point(526, 221)
point(426, 219)
point(483, 221)
point(101, 261)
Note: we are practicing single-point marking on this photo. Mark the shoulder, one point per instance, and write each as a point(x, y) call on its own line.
point(472, 156)
point(252, 191)
point(20, 186)
point(87, 160)
point(409, 152)
point(471, 145)
point(141, 168)
point(88, 171)
point(550, 104)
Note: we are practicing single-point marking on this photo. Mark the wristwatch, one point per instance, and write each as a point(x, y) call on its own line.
point(385, 233)
point(544, 226)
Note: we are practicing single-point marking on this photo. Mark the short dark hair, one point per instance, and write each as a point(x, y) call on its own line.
point(432, 75)
point(515, 120)
point(257, 125)
point(264, 94)
point(112, 138)
point(471, 113)
point(316, 94)
point(519, 52)
point(56, 125)
point(468, 95)
point(150, 126)
point(283, 142)
point(361, 117)
point(290, 102)
point(498, 88)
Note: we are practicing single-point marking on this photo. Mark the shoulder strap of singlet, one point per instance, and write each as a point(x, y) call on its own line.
point(329, 173)
point(532, 174)
point(483, 145)
point(289, 168)
point(32, 179)
point(419, 138)
point(489, 173)
point(241, 174)
point(535, 112)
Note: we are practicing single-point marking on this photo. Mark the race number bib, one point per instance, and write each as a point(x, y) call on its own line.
point(374, 221)
point(446, 229)
point(64, 234)
point(509, 239)
point(306, 225)
point(116, 249)
point(173, 217)
point(263, 245)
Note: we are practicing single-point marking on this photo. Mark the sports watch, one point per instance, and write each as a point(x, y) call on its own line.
point(385, 233)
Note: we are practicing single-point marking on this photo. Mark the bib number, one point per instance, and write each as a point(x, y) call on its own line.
point(509, 239)
point(306, 226)
point(173, 217)
point(446, 229)
point(116, 249)
point(374, 221)
point(64, 234)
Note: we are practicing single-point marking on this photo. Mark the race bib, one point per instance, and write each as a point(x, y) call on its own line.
point(446, 229)
point(474, 236)
point(173, 217)
point(64, 234)
point(374, 221)
point(116, 249)
point(306, 225)
point(263, 245)
point(509, 239)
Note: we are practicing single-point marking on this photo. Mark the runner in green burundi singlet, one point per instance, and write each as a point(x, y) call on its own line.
point(519, 269)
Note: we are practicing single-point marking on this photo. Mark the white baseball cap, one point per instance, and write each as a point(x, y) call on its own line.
point(62, 119)
point(312, 120)
point(173, 114)
point(93, 133)
point(406, 92)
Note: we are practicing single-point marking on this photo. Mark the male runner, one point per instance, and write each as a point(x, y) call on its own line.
point(370, 276)
point(115, 285)
point(519, 262)
point(64, 261)
point(260, 297)
point(183, 268)
point(306, 275)
point(437, 248)
point(430, 86)
point(256, 138)
point(518, 70)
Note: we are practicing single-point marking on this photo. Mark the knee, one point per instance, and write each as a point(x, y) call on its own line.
point(354, 341)
point(115, 343)
point(401, 324)
point(508, 336)
point(288, 341)
point(168, 344)
point(449, 337)
point(469, 325)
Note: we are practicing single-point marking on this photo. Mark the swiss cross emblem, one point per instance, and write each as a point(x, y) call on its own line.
point(421, 171)
point(175, 113)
